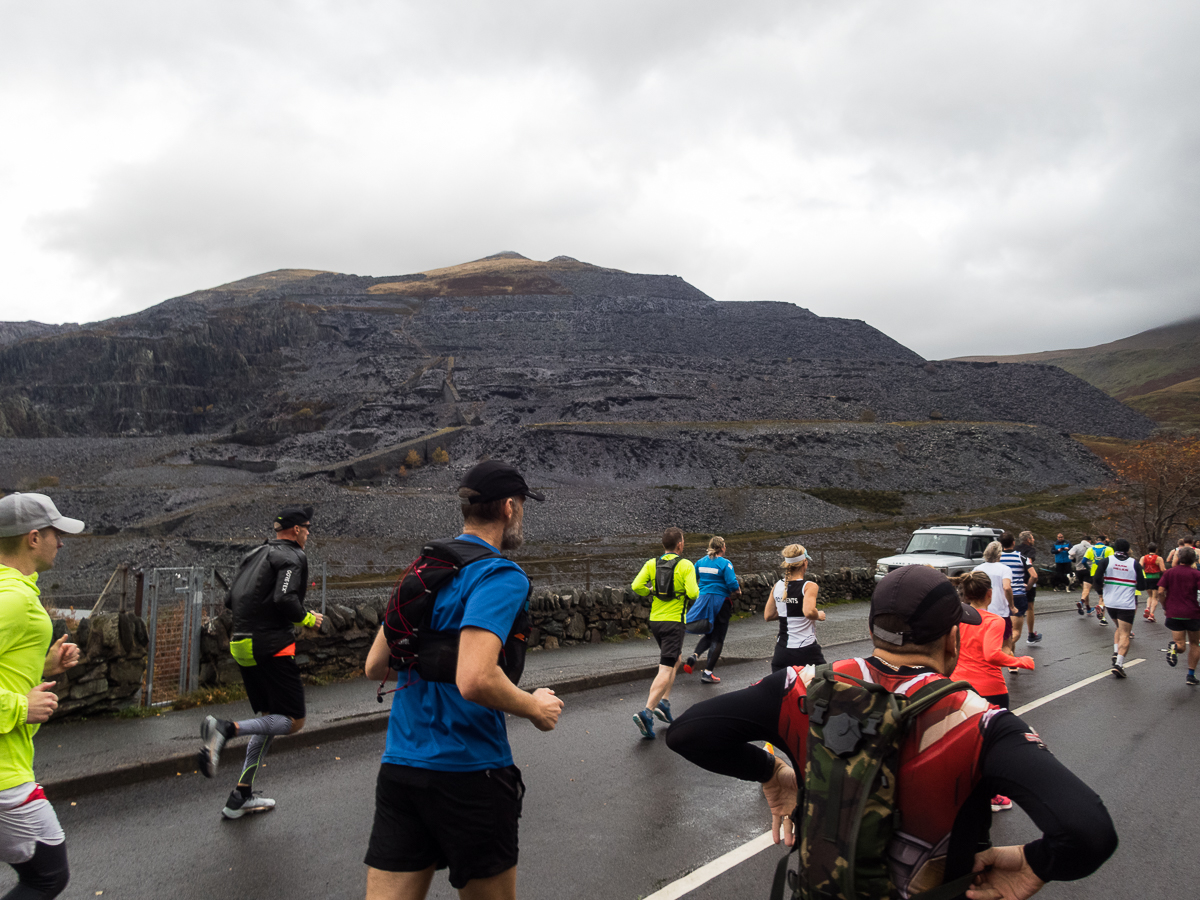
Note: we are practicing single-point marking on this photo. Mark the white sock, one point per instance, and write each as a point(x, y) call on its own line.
point(708, 671)
point(1120, 659)
point(1114, 648)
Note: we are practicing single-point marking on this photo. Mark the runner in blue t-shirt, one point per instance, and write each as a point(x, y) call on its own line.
point(1062, 563)
point(448, 794)
point(718, 586)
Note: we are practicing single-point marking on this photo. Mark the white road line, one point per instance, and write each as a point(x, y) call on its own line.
point(721, 864)
point(708, 872)
point(1069, 689)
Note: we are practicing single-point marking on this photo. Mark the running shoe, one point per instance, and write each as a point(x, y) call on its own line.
point(1172, 655)
point(1001, 803)
point(1146, 614)
point(1079, 607)
point(212, 737)
point(1117, 670)
point(1089, 609)
point(663, 711)
point(237, 805)
point(1114, 659)
point(1100, 616)
point(1035, 637)
point(1191, 679)
point(709, 678)
point(645, 723)
point(1013, 670)
point(689, 664)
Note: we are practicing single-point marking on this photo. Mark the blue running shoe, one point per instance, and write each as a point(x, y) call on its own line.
point(663, 711)
point(645, 723)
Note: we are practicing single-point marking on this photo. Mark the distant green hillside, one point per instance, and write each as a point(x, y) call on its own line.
point(1157, 372)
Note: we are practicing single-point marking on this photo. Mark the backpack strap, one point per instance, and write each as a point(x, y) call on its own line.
point(929, 694)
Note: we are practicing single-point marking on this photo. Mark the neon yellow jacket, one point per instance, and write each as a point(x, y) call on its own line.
point(1092, 560)
point(25, 631)
point(685, 587)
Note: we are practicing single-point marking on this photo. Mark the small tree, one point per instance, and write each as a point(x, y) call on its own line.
point(1155, 488)
point(413, 459)
point(439, 457)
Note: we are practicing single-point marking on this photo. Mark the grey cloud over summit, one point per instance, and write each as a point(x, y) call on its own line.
point(968, 178)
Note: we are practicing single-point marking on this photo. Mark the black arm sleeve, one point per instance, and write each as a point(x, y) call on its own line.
point(1098, 578)
point(716, 734)
point(1141, 575)
point(1077, 832)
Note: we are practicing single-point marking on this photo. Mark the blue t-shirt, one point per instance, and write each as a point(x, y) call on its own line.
point(714, 575)
point(1062, 553)
point(431, 726)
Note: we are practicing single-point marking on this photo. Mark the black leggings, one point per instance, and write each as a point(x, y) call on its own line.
point(43, 876)
point(715, 639)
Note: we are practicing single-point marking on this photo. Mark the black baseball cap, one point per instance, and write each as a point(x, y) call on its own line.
point(291, 516)
point(925, 599)
point(496, 480)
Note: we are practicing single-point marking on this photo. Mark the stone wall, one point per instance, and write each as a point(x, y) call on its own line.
point(112, 664)
point(113, 646)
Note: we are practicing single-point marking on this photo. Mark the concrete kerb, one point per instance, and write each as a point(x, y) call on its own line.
point(348, 727)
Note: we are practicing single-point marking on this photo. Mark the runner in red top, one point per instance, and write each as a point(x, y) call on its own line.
point(1152, 567)
point(981, 654)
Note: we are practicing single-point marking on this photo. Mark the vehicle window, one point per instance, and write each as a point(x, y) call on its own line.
point(978, 544)
point(952, 544)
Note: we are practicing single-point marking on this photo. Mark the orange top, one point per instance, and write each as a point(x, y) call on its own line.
point(981, 655)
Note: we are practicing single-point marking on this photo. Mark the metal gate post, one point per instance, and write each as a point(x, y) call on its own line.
point(197, 604)
point(185, 628)
point(324, 573)
point(152, 628)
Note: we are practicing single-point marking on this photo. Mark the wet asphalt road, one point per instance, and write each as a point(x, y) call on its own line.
point(609, 815)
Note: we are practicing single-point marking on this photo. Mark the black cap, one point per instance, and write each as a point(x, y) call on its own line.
point(496, 480)
point(925, 599)
point(1121, 546)
point(291, 516)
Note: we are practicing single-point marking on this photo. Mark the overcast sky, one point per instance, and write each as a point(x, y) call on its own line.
point(967, 177)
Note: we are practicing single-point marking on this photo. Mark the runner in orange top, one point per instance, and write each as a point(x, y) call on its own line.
point(981, 655)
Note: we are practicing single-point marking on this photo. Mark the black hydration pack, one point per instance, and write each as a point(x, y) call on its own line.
point(664, 577)
point(413, 644)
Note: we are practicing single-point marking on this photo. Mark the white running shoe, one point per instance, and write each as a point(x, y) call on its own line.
point(212, 738)
point(237, 805)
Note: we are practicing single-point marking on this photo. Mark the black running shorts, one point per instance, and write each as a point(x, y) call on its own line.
point(670, 641)
point(1183, 624)
point(1120, 615)
point(784, 656)
point(1030, 594)
point(1008, 629)
point(466, 821)
point(1021, 602)
point(273, 686)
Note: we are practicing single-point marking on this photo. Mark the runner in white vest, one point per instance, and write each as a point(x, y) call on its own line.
point(1117, 580)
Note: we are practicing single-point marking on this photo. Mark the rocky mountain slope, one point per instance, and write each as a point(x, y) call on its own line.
point(635, 400)
point(1156, 372)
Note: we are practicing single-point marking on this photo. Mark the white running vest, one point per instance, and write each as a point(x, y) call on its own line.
point(1120, 580)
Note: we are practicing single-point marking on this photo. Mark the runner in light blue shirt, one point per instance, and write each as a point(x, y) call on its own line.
point(718, 585)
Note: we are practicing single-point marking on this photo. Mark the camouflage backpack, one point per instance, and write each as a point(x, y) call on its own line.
point(846, 800)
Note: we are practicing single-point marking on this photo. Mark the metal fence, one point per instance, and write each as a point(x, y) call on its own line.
point(175, 608)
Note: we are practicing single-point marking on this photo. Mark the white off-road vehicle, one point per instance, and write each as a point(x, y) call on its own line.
point(951, 549)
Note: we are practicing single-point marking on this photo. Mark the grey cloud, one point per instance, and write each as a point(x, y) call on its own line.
point(898, 163)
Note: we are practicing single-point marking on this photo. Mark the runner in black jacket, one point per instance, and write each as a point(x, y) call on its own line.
point(267, 600)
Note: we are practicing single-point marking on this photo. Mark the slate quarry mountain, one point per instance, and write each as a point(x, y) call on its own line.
point(637, 400)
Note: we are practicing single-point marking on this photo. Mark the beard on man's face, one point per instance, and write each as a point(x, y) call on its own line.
point(513, 537)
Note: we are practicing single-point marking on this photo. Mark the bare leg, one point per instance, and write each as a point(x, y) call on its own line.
point(383, 885)
point(1123, 629)
point(660, 689)
point(1018, 622)
point(1193, 648)
point(498, 887)
point(1030, 616)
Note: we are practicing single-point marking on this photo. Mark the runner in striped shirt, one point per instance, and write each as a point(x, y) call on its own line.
point(1023, 574)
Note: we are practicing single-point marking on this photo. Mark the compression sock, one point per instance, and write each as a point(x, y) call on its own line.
point(268, 724)
point(256, 752)
point(1191, 673)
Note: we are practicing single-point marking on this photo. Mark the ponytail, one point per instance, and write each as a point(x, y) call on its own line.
point(715, 546)
point(973, 586)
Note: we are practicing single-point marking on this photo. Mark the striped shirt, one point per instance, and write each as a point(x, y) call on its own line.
point(1018, 564)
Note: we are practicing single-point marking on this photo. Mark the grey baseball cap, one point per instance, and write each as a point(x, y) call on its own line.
point(22, 513)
